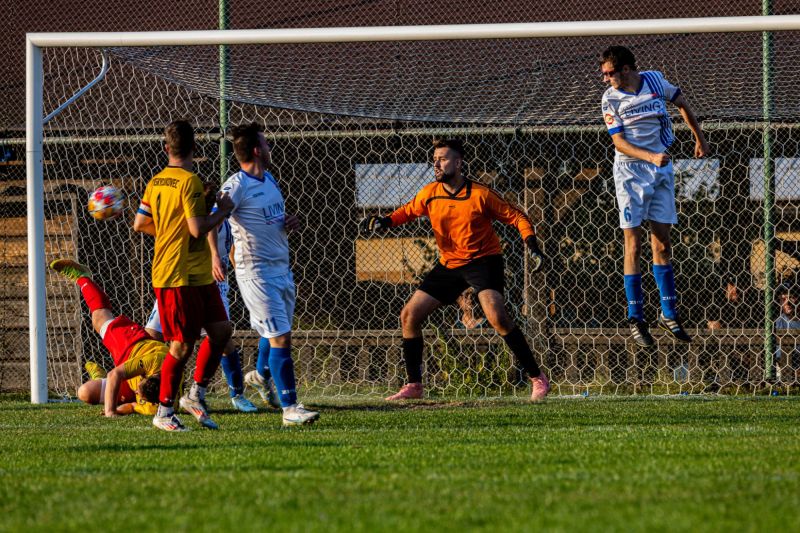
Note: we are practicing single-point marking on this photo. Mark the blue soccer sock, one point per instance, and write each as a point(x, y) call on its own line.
point(665, 279)
point(262, 362)
point(634, 295)
point(282, 368)
point(232, 367)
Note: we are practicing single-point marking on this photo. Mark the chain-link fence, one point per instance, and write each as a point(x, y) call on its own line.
point(352, 128)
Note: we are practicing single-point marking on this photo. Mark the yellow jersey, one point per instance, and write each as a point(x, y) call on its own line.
point(172, 196)
point(145, 360)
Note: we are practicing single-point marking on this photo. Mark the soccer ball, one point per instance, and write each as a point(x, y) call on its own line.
point(105, 203)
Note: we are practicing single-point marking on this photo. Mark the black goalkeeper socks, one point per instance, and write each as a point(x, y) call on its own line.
point(412, 354)
point(522, 352)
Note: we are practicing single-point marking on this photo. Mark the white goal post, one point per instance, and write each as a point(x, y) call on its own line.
point(35, 112)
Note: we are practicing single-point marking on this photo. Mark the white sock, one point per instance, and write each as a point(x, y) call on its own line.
point(165, 411)
point(197, 392)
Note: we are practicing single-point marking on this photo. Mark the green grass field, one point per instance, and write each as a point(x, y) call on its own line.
point(592, 464)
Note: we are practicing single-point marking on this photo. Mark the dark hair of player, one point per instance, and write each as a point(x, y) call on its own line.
point(245, 140)
point(454, 144)
point(179, 137)
point(619, 56)
point(149, 388)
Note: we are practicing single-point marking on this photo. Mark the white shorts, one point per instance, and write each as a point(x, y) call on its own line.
point(644, 192)
point(154, 320)
point(271, 304)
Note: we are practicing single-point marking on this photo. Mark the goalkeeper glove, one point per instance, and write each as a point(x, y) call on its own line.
point(374, 224)
point(536, 255)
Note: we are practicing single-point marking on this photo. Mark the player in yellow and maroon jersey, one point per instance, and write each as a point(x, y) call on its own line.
point(461, 212)
point(133, 384)
point(173, 210)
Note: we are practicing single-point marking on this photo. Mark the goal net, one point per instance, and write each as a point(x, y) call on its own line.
point(352, 123)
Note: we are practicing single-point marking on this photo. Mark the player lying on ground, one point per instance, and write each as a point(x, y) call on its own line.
point(137, 357)
point(635, 113)
point(461, 212)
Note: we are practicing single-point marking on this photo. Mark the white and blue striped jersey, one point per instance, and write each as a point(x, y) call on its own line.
point(257, 225)
point(641, 116)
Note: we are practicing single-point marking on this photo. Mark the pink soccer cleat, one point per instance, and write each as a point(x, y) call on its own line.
point(410, 391)
point(540, 386)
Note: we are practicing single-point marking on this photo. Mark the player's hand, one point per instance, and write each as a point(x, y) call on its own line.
point(291, 222)
point(224, 203)
point(217, 268)
point(375, 224)
point(701, 148)
point(535, 254)
point(661, 159)
point(110, 414)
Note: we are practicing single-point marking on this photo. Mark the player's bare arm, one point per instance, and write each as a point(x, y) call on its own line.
point(621, 144)
point(113, 382)
point(126, 409)
point(199, 226)
point(217, 267)
point(291, 222)
point(144, 224)
point(700, 145)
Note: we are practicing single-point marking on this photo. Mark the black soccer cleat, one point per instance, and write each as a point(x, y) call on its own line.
point(673, 327)
point(641, 333)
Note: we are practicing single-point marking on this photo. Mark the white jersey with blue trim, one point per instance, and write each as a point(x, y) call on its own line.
point(641, 116)
point(258, 226)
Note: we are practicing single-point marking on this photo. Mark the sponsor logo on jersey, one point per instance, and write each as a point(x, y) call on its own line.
point(609, 118)
point(647, 107)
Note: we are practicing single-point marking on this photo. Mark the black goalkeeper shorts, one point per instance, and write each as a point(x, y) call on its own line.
point(447, 284)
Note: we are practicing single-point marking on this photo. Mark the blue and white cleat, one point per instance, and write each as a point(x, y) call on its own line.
point(241, 403)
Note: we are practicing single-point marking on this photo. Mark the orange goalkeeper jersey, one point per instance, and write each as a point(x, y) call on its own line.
point(462, 222)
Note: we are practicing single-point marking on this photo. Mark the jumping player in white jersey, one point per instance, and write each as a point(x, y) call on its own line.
point(635, 113)
point(259, 224)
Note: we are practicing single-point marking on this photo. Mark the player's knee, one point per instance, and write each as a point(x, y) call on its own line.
point(219, 334)
point(499, 320)
point(85, 394)
point(409, 316)
point(633, 249)
point(180, 350)
point(661, 249)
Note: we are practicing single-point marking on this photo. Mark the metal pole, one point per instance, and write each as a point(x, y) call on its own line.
point(769, 200)
point(420, 33)
point(223, 102)
point(35, 181)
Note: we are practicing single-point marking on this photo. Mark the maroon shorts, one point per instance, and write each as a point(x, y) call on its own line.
point(121, 335)
point(185, 311)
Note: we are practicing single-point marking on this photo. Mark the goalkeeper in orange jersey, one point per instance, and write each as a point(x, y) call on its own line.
point(133, 384)
point(461, 212)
